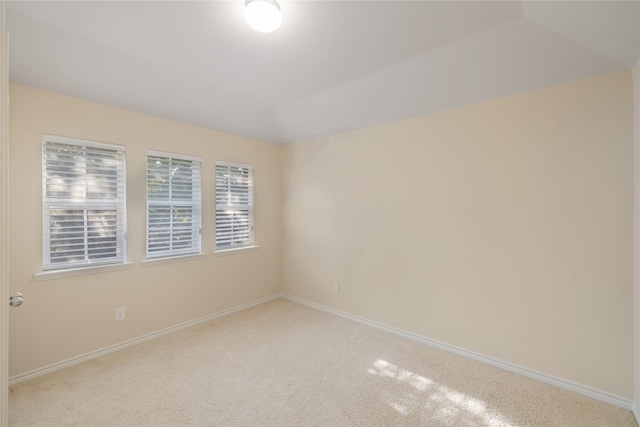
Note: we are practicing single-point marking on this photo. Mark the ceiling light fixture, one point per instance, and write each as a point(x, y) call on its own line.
point(262, 15)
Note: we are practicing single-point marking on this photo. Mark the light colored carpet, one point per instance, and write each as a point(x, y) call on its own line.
point(281, 364)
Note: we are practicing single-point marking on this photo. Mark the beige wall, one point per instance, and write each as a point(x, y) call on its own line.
point(68, 317)
point(504, 228)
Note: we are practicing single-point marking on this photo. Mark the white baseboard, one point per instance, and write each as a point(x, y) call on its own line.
point(121, 346)
point(530, 373)
point(636, 412)
point(559, 382)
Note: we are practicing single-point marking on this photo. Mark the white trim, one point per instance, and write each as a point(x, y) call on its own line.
point(636, 237)
point(172, 259)
point(4, 218)
point(130, 343)
point(232, 251)
point(70, 272)
point(549, 379)
point(76, 141)
point(530, 373)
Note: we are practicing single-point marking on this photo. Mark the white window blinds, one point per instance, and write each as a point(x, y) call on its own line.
point(173, 204)
point(234, 205)
point(83, 189)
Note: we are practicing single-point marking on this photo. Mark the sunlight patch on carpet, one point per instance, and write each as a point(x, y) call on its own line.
point(449, 406)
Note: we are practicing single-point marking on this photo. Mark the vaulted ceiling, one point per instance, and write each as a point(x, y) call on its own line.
point(333, 66)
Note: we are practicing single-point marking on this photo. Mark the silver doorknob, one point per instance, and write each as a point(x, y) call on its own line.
point(16, 300)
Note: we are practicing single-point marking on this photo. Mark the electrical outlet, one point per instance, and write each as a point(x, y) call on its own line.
point(119, 314)
point(336, 288)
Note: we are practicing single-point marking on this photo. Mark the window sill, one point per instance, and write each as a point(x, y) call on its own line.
point(71, 272)
point(172, 259)
point(224, 252)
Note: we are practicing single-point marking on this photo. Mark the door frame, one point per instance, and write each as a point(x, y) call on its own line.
point(635, 73)
point(4, 227)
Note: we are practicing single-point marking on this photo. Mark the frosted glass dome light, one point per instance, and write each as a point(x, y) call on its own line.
point(262, 15)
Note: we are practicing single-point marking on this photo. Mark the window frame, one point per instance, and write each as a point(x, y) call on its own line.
point(249, 207)
point(195, 205)
point(85, 203)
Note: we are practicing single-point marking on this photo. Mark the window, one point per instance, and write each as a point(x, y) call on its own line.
point(173, 205)
point(234, 206)
point(83, 199)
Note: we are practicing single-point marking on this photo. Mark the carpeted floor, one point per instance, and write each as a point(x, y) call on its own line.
point(281, 364)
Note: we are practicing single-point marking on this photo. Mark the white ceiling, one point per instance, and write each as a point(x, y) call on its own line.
point(333, 66)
